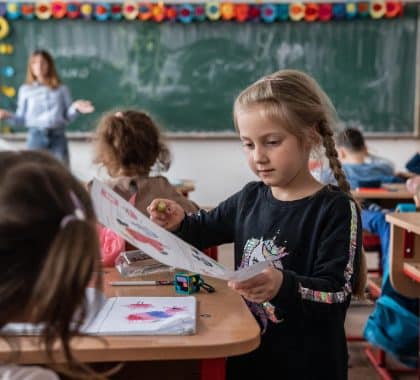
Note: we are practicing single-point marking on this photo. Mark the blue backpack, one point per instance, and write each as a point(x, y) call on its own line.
point(394, 325)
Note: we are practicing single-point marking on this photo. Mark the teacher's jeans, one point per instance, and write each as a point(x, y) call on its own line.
point(53, 140)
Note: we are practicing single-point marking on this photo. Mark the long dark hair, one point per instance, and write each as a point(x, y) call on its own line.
point(46, 264)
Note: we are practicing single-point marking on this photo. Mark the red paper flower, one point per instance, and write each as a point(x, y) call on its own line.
point(241, 12)
point(325, 12)
point(393, 9)
point(59, 9)
point(311, 12)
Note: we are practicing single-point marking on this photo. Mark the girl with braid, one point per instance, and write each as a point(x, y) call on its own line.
point(311, 232)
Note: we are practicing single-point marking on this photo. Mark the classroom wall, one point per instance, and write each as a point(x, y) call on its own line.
point(218, 167)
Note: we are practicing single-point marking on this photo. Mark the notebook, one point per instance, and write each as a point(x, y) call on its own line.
point(129, 316)
point(145, 316)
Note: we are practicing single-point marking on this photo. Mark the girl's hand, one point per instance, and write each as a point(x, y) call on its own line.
point(260, 288)
point(4, 114)
point(83, 106)
point(166, 213)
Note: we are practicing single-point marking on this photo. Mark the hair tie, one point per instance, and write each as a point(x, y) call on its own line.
point(77, 214)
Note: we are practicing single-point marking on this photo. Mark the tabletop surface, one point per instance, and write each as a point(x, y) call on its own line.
point(225, 327)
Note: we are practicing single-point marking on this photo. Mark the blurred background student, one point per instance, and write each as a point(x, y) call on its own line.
point(45, 107)
point(128, 144)
point(362, 168)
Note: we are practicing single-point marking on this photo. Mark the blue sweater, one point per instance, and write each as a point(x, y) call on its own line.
point(43, 107)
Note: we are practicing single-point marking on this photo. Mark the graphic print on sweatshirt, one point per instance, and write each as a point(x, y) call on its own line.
point(255, 251)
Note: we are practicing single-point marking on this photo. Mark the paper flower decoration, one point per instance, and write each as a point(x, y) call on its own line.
point(213, 10)
point(73, 10)
point(186, 13)
point(28, 11)
point(102, 11)
point(12, 11)
point(4, 28)
point(393, 9)
point(254, 13)
point(227, 11)
point(351, 10)
point(241, 12)
point(130, 10)
point(283, 12)
point(171, 13)
point(86, 10)
point(296, 11)
point(145, 11)
point(377, 9)
point(311, 12)
point(363, 9)
point(58, 9)
point(158, 12)
point(116, 11)
point(339, 11)
point(7, 71)
point(6, 49)
point(200, 13)
point(10, 92)
point(43, 10)
point(325, 12)
point(268, 13)
point(2, 9)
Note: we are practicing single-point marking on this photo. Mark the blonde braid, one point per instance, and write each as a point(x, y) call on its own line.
point(327, 139)
point(331, 152)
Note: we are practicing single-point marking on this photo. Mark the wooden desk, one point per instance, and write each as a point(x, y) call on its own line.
point(225, 327)
point(391, 193)
point(405, 252)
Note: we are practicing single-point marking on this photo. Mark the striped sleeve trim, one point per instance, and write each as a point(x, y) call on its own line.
point(341, 296)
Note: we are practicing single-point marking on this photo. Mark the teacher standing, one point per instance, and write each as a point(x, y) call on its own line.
point(45, 107)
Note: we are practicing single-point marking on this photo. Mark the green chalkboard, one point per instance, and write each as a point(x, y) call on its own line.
point(187, 76)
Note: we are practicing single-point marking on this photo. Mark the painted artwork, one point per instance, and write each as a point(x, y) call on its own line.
point(124, 219)
point(145, 316)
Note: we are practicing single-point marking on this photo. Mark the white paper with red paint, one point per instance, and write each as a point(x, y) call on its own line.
point(116, 213)
point(145, 316)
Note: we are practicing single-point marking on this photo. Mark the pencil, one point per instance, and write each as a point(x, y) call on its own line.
point(140, 283)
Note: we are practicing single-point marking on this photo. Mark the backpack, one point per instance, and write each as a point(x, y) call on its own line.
point(111, 243)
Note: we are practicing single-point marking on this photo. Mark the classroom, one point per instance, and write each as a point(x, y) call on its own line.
point(184, 64)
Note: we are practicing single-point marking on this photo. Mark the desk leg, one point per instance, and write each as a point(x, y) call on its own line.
point(213, 369)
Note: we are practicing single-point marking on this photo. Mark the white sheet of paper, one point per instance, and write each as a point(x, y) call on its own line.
point(128, 316)
point(116, 213)
point(146, 316)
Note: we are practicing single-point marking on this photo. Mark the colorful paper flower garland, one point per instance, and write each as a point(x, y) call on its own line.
point(212, 11)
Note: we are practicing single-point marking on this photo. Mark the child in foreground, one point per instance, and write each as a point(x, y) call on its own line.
point(48, 252)
point(312, 231)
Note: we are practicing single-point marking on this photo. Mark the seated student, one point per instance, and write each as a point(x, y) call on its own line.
point(413, 164)
point(394, 323)
point(48, 254)
point(128, 145)
point(359, 165)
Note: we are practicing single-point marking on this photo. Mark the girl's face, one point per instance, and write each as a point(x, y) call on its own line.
point(39, 67)
point(274, 155)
